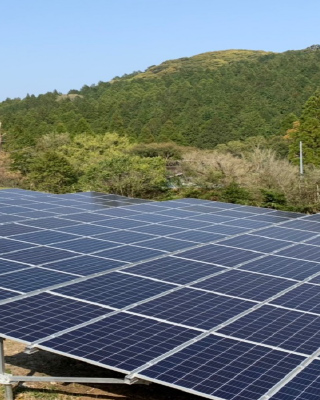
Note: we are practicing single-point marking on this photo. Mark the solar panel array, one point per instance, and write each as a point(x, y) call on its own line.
point(220, 300)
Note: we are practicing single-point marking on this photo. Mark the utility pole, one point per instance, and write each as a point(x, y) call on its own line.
point(1, 136)
point(301, 160)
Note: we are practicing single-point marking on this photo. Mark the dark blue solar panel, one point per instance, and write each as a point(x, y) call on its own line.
point(65, 210)
point(10, 266)
point(202, 209)
point(49, 223)
point(303, 224)
point(224, 229)
point(13, 229)
point(4, 218)
point(39, 255)
point(187, 223)
point(166, 244)
point(213, 218)
point(33, 279)
point(115, 289)
point(305, 297)
point(198, 236)
point(122, 341)
point(84, 265)
point(121, 223)
point(302, 252)
point(248, 223)
point(222, 255)
point(194, 308)
point(13, 209)
point(39, 316)
point(315, 241)
point(178, 213)
point(245, 285)
point(86, 217)
point(145, 208)
point(44, 237)
point(274, 219)
point(284, 233)
point(6, 294)
point(119, 212)
point(256, 243)
point(86, 229)
point(7, 245)
point(224, 368)
point(125, 237)
point(37, 214)
point(282, 266)
point(173, 269)
point(86, 245)
point(130, 253)
point(304, 386)
point(157, 229)
point(314, 217)
point(151, 218)
point(287, 329)
point(236, 213)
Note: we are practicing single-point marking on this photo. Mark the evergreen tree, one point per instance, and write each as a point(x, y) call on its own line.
point(308, 132)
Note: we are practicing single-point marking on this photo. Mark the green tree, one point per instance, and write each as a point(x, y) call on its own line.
point(52, 173)
point(127, 175)
point(308, 132)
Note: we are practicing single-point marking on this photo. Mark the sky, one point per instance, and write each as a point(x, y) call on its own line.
point(48, 45)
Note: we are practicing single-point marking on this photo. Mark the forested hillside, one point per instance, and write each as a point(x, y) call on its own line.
point(200, 101)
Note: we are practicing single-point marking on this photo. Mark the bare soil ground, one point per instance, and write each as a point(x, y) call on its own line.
point(47, 364)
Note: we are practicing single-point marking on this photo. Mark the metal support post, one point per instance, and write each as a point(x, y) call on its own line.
point(8, 393)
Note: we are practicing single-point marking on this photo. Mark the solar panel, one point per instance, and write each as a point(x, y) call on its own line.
point(194, 308)
point(122, 341)
point(223, 368)
point(115, 289)
point(216, 299)
point(174, 269)
point(286, 329)
point(245, 285)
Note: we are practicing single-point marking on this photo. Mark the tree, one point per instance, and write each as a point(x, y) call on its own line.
point(127, 175)
point(307, 130)
point(52, 173)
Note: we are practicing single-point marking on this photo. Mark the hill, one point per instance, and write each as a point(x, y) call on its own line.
point(202, 101)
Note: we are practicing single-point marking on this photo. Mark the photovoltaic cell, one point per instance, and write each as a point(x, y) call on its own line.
point(256, 243)
point(115, 289)
point(194, 308)
point(305, 298)
point(302, 252)
point(86, 229)
point(157, 229)
point(248, 223)
point(282, 266)
point(166, 244)
point(44, 237)
point(84, 265)
point(278, 232)
point(303, 224)
point(49, 223)
point(173, 269)
point(287, 329)
point(85, 245)
point(304, 386)
point(222, 255)
point(6, 294)
point(130, 253)
point(224, 368)
point(8, 245)
point(10, 266)
point(245, 285)
point(122, 341)
point(125, 237)
point(39, 255)
point(198, 236)
point(224, 229)
point(32, 279)
point(45, 314)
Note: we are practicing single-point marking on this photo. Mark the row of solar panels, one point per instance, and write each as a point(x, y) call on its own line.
point(226, 320)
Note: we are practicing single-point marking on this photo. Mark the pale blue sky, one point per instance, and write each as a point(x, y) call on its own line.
point(65, 44)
